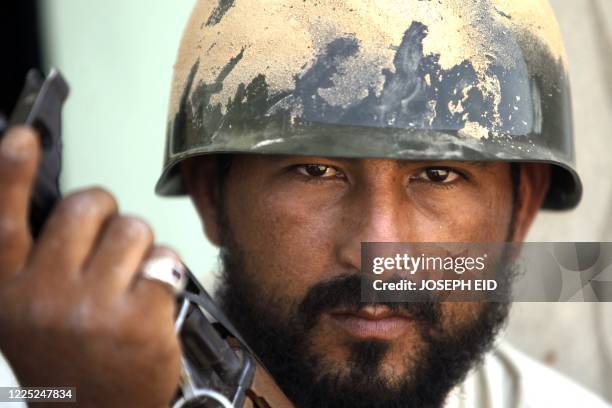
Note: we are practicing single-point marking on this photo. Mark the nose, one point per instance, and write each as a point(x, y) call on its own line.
point(374, 214)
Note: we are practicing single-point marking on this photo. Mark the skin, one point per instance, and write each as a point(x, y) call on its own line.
point(301, 220)
point(74, 312)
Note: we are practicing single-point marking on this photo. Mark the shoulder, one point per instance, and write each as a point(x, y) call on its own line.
point(539, 385)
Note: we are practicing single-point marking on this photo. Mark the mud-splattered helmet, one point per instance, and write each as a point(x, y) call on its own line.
point(402, 79)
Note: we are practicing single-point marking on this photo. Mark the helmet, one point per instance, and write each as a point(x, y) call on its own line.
point(475, 80)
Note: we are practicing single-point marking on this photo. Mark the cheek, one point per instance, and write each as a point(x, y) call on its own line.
point(285, 241)
point(464, 215)
point(456, 316)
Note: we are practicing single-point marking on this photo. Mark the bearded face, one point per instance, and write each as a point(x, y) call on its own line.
point(290, 230)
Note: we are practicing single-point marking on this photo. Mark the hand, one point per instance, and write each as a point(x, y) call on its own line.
point(73, 309)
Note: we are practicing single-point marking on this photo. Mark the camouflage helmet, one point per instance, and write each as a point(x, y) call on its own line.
point(474, 80)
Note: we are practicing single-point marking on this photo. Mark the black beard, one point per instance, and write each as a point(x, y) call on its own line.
point(282, 344)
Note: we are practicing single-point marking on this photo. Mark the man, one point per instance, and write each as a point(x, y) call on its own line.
point(300, 131)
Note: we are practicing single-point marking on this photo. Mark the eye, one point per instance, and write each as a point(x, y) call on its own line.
point(318, 171)
point(439, 175)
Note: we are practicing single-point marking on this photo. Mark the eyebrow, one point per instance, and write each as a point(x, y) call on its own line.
point(482, 164)
point(479, 164)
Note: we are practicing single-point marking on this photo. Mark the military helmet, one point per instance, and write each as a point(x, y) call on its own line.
point(474, 80)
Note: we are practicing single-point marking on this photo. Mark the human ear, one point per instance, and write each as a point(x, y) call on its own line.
point(202, 183)
point(534, 183)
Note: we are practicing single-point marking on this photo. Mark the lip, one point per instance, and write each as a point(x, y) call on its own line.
point(373, 322)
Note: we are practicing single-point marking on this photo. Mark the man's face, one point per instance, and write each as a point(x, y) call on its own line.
point(291, 229)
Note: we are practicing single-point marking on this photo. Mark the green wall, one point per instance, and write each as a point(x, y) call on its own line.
point(117, 56)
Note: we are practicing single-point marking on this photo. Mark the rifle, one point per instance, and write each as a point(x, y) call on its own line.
point(218, 367)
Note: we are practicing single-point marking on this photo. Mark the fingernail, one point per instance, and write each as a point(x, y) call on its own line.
point(16, 145)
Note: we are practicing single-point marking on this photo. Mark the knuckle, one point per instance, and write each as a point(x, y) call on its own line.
point(19, 146)
point(9, 229)
point(87, 203)
point(101, 195)
point(132, 228)
point(44, 314)
point(26, 131)
point(94, 320)
point(94, 317)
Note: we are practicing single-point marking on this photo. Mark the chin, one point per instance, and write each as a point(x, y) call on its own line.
point(339, 354)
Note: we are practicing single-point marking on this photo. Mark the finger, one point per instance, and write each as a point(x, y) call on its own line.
point(116, 260)
point(71, 232)
point(154, 285)
point(19, 155)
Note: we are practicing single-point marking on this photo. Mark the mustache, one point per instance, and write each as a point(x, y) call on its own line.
point(345, 292)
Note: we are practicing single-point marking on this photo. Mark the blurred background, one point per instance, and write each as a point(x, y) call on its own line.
point(117, 56)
